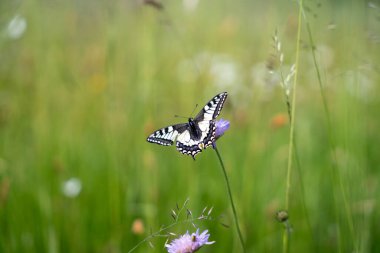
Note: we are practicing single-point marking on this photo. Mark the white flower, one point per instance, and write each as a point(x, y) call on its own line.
point(16, 27)
point(190, 5)
point(224, 71)
point(72, 187)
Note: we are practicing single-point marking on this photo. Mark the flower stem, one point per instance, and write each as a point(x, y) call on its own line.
point(230, 197)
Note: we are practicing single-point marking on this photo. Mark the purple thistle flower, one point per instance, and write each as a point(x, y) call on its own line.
point(189, 243)
point(222, 125)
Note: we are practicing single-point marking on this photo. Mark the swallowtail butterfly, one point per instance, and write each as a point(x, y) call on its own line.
point(196, 135)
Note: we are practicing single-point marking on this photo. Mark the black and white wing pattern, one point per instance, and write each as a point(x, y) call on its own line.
point(167, 135)
point(196, 135)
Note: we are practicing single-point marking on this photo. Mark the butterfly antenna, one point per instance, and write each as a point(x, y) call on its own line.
point(178, 116)
point(196, 105)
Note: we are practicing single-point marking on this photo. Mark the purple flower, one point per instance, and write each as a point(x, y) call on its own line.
point(189, 243)
point(222, 125)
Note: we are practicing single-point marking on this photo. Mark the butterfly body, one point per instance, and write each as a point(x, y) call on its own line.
point(195, 135)
point(194, 130)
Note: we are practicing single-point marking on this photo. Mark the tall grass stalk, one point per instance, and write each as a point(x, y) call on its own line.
point(230, 198)
point(337, 178)
point(285, 85)
point(286, 234)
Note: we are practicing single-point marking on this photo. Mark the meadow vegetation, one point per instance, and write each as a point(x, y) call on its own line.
point(83, 83)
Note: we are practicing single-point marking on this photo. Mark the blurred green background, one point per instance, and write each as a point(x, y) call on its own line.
point(83, 83)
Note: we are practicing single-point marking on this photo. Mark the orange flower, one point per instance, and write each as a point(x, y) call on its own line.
point(138, 227)
point(279, 120)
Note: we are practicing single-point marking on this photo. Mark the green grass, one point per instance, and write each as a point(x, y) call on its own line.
point(88, 81)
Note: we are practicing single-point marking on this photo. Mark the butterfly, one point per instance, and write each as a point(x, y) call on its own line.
point(195, 135)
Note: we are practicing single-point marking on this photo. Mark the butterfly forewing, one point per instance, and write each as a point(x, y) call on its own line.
point(167, 135)
point(212, 109)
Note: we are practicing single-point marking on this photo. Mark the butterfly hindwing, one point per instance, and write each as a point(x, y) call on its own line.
point(189, 146)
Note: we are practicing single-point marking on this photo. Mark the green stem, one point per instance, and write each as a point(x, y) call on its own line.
point(231, 199)
point(285, 238)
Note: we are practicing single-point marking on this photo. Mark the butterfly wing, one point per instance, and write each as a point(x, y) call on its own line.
point(181, 134)
point(167, 135)
point(212, 109)
point(190, 146)
point(205, 118)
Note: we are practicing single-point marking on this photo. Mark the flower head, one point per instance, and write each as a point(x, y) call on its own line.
point(222, 125)
point(72, 187)
point(16, 27)
point(189, 243)
point(138, 227)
